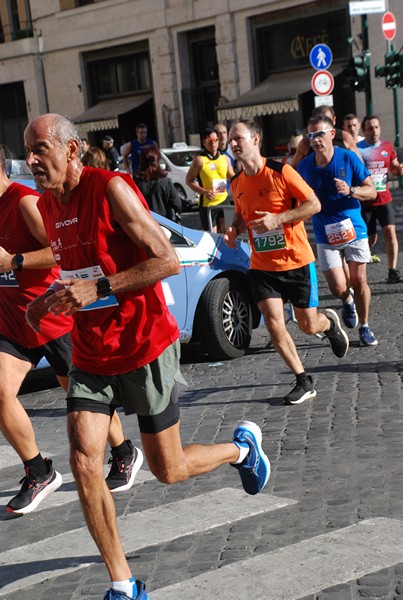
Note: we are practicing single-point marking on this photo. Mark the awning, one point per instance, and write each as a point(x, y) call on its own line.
point(276, 94)
point(104, 115)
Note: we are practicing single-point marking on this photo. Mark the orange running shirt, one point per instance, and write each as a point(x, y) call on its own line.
point(274, 191)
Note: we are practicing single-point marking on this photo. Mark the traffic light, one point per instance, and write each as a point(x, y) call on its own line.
point(358, 72)
point(393, 69)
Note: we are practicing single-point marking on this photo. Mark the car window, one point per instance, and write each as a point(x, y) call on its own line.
point(17, 167)
point(182, 159)
point(175, 238)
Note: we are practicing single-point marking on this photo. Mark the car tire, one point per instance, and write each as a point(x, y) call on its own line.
point(224, 319)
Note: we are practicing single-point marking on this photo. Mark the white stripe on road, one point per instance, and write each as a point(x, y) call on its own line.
point(75, 550)
point(63, 496)
point(301, 569)
point(9, 457)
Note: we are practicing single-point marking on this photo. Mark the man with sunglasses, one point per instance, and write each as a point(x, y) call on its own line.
point(341, 181)
point(271, 203)
point(207, 176)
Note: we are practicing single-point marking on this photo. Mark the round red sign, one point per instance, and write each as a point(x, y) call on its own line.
point(389, 25)
point(322, 83)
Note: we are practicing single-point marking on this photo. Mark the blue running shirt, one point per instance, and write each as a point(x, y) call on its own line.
point(335, 207)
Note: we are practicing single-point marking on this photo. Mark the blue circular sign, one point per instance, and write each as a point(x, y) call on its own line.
point(321, 57)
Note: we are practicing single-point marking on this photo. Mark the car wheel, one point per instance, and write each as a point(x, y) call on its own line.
point(186, 204)
point(224, 319)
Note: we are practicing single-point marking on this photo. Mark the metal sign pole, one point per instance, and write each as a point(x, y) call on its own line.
point(365, 48)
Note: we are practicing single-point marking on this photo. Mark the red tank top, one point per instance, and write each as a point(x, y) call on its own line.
point(85, 241)
point(17, 289)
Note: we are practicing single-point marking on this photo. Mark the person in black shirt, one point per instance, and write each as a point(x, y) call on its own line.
point(111, 153)
point(158, 189)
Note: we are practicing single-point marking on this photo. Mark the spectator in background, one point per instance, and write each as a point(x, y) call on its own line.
point(95, 157)
point(134, 148)
point(112, 155)
point(84, 145)
point(223, 144)
point(295, 139)
point(207, 176)
point(157, 188)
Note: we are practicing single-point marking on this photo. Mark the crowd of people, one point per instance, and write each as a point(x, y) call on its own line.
point(89, 297)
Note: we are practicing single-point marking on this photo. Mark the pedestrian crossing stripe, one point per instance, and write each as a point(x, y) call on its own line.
point(66, 493)
point(301, 569)
point(75, 550)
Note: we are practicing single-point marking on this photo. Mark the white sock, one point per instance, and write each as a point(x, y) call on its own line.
point(128, 587)
point(244, 450)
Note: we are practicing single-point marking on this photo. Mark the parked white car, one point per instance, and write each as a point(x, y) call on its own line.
point(177, 160)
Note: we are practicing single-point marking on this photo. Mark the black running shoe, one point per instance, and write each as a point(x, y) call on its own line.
point(34, 489)
point(393, 276)
point(337, 337)
point(123, 469)
point(302, 390)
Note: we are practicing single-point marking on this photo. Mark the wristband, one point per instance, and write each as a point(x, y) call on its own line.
point(55, 287)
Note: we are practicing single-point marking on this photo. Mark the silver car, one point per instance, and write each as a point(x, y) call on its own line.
point(177, 160)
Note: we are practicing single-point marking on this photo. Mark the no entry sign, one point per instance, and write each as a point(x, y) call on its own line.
point(322, 83)
point(389, 26)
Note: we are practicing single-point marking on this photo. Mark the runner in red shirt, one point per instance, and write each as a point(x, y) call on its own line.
point(113, 255)
point(27, 269)
point(380, 158)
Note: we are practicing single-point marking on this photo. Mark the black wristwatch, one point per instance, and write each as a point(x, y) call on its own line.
point(17, 260)
point(104, 287)
point(352, 191)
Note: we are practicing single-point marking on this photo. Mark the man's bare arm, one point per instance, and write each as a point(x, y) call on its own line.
point(145, 232)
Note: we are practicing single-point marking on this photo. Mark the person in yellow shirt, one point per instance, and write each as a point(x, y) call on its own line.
point(207, 176)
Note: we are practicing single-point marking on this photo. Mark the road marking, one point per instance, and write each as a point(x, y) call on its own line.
point(66, 493)
point(301, 569)
point(74, 550)
point(9, 457)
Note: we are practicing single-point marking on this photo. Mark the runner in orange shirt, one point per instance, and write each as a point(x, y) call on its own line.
point(271, 203)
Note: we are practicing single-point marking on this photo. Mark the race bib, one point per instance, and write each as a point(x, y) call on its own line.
point(269, 240)
point(340, 233)
point(380, 181)
point(8, 279)
point(91, 273)
point(219, 186)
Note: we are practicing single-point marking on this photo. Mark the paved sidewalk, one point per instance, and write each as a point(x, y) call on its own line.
point(337, 461)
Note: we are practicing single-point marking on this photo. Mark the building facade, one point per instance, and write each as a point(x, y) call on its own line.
point(180, 65)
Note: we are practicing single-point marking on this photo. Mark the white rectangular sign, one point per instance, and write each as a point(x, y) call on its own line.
point(366, 7)
point(324, 100)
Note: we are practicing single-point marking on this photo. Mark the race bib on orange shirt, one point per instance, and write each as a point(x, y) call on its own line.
point(269, 240)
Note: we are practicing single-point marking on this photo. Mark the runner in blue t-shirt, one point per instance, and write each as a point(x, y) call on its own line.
point(340, 181)
point(134, 148)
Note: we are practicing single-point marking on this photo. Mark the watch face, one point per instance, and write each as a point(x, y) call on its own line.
point(104, 287)
point(18, 260)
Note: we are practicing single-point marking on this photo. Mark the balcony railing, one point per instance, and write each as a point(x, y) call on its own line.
point(9, 34)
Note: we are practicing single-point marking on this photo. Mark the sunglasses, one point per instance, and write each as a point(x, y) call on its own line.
point(317, 134)
point(210, 139)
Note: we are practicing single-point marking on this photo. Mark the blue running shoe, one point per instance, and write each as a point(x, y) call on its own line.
point(141, 593)
point(349, 315)
point(367, 337)
point(255, 469)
